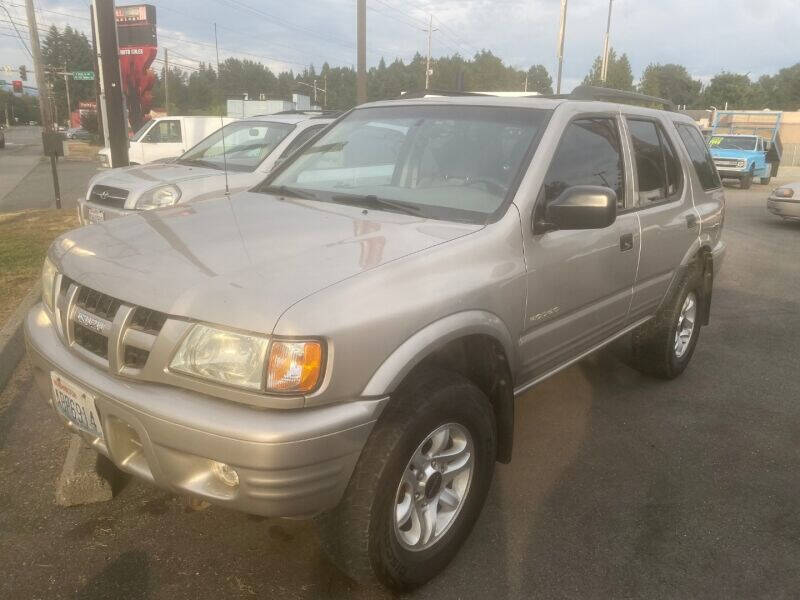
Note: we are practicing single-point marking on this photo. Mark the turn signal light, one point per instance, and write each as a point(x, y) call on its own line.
point(294, 366)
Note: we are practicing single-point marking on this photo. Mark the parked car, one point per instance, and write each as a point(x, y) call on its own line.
point(78, 133)
point(251, 149)
point(785, 201)
point(347, 338)
point(166, 137)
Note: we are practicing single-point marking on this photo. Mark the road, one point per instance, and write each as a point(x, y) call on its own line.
point(620, 486)
point(26, 180)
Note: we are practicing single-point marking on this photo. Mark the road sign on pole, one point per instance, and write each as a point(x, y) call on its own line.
point(83, 75)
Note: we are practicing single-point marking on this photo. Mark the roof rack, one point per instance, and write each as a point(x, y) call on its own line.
point(423, 93)
point(306, 111)
point(592, 92)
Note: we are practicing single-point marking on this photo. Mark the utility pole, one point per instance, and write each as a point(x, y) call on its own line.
point(428, 71)
point(66, 75)
point(561, 33)
point(361, 59)
point(325, 92)
point(44, 100)
point(96, 65)
point(604, 69)
point(166, 80)
point(111, 98)
point(36, 52)
point(526, 82)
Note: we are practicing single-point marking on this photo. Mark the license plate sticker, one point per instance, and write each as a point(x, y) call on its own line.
point(76, 404)
point(95, 215)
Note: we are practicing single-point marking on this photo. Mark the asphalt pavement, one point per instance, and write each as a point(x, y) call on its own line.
point(621, 486)
point(26, 180)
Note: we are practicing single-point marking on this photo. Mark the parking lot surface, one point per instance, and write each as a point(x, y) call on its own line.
point(620, 486)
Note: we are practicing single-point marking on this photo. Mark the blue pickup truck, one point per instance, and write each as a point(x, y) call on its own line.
point(745, 145)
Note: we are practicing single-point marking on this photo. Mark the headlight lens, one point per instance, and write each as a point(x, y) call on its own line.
point(783, 193)
point(740, 163)
point(166, 195)
point(48, 283)
point(224, 356)
point(294, 366)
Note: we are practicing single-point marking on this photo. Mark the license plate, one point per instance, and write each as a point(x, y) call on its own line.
point(76, 404)
point(95, 215)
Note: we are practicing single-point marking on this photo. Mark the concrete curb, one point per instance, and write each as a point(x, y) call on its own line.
point(12, 343)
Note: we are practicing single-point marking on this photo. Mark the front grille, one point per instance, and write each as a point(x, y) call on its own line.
point(89, 319)
point(726, 162)
point(108, 196)
point(94, 342)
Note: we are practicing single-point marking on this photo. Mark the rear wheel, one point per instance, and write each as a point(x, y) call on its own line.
point(664, 346)
point(419, 485)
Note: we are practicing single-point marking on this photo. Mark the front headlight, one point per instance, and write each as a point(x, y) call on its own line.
point(166, 195)
point(224, 356)
point(49, 273)
point(741, 163)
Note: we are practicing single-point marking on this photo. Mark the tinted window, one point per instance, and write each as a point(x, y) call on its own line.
point(701, 159)
point(674, 171)
point(588, 154)
point(650, 164)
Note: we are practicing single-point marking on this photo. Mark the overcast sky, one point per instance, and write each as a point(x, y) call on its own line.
point(706, 36)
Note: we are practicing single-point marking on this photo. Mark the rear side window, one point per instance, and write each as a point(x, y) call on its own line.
point(657, 166)
point(588, 154)
point(701, 158)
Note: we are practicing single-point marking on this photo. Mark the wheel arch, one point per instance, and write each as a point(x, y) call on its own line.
point(476, 344)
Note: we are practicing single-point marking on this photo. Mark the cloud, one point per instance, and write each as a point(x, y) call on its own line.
point(706, 37)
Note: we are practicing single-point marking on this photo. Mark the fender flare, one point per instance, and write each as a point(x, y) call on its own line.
point(432, 337)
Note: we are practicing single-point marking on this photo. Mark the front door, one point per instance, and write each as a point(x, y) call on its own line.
point(164, 140)
point(579, 282)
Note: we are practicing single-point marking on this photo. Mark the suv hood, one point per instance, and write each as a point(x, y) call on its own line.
point(240, 261)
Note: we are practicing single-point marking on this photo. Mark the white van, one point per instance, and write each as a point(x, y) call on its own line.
point(166, 137)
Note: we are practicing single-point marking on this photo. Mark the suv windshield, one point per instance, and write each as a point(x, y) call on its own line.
point(729, 142)
point(445, 162)
point(246, 144)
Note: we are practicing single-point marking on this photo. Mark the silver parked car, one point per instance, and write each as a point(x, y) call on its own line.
point(347, 339)
point(240, 155)
point(785, 201)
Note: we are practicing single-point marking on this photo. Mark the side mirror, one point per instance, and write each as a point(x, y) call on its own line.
point(580, 207)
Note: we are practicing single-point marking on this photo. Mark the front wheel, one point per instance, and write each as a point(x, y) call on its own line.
point(746, 181)
point(419, 485)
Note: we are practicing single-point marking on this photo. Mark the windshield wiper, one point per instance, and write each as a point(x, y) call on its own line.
point(197, 163)
point(376, 203)
point(282, 190)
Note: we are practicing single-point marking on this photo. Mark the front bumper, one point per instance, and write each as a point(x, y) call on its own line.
point(732, 172)
point(290, 463)
point(108, 212)
point(784, 207)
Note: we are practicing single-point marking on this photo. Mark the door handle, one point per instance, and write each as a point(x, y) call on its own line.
point(691, 220)
point(626, 242)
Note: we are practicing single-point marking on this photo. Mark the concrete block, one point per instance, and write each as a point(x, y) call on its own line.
point(80, 482)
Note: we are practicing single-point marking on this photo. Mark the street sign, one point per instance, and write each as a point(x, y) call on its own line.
point(83, 75)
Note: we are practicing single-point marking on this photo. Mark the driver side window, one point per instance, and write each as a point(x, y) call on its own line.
point(588, 154)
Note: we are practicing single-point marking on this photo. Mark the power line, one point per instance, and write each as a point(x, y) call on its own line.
point(19, 35)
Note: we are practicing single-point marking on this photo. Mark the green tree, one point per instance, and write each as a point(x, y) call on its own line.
point(539, 80)
point(671, 82)
point(620, 75)
point(70, 50)
point(782, 90)
point(733, 89)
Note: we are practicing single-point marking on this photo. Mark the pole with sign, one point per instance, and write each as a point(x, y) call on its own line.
point(83, 75)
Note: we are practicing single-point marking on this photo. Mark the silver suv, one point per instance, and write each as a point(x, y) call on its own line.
point(238, 155)
point(346, 339)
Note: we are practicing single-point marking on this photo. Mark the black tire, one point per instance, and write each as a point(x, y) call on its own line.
point(359, 535)
point(746, 181)
point(653, 345)
point(765, 180)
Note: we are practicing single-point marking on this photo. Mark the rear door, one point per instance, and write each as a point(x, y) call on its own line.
point(579, 281)
point(664, 207)
point(164, 140)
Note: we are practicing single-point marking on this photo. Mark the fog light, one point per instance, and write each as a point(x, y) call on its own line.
point(226, 473)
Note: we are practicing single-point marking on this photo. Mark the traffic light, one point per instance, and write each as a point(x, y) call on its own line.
point(23, 73)
point(16, 85)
